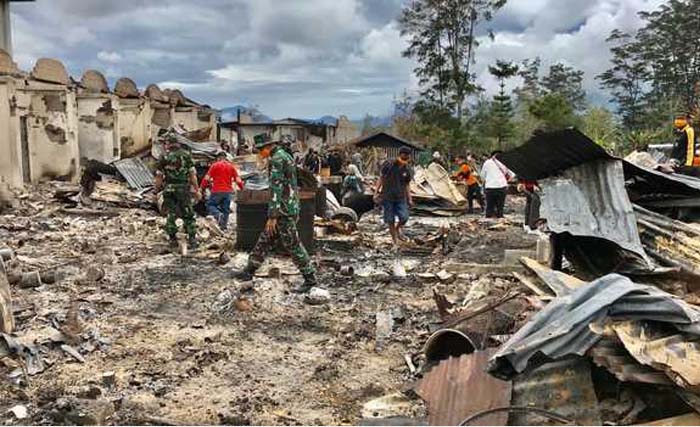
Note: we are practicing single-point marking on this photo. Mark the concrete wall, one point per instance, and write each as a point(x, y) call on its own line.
point(346, 131)
point(10, 147)
point(51, 120)
point(195, 118)
point(134, 125)
point(98, 133)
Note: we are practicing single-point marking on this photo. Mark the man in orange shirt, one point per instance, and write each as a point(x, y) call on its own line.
point(220, 177)
point(466, 174)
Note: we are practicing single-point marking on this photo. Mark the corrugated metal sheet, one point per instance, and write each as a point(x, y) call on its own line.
point(564, 387)
point(385, 140)
point(547, 154)
point(136, 173)
point(590, 200)
point(615, 359)
point(562, 329)
point(460, 387)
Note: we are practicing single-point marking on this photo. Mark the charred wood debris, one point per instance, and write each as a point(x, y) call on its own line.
point(483, 331)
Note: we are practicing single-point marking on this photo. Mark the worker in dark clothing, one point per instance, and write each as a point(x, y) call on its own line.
point(335, 162)
point(684, 156)
point(312, 162)
point(394, 193)
point(532, 204)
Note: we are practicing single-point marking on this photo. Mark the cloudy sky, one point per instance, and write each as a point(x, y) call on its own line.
point(299, 58)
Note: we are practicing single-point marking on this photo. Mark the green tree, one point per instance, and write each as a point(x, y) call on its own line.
point(567, 82)
point(554, 112)
point(625, 79)
point(600, 125)
point(502, 108)
point(659, 65)
point(441, 37)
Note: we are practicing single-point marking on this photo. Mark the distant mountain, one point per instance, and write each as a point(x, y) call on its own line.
point(327, 120)
point(230, 114)
point(377, 122)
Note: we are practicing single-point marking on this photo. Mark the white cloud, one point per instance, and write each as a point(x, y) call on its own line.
point(109, 57)
point(297, 57)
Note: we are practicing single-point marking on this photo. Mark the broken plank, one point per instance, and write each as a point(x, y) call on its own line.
point(557, 281)
point(530, 285)
point(73, 353)
point(7, 322)
point(459, 268)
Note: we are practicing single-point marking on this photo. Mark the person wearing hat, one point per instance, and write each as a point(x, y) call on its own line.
point(283, 212)
point(177, 177)
point(684, 150)
point(220, 178)
point(394, 194)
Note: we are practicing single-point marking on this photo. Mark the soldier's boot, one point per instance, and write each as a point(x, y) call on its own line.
point(172, 241)
point(309, 283)
point(192, 243)
point(245, 275)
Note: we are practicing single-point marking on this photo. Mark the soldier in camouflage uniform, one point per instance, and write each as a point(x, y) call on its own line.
point(283, 214)
point(177, 177)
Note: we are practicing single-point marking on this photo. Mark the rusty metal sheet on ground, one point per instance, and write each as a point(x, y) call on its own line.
point(460, 387)
point(677, 355)
point(563, 387)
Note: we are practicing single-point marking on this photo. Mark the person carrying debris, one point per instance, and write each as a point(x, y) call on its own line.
point(466, 174)
point(496, 176)
point(394, 194)
point(220, 178)
point(683, 155)
point(283, 213)
point(177, 177)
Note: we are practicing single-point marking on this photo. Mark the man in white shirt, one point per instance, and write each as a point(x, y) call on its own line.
point(496, 176)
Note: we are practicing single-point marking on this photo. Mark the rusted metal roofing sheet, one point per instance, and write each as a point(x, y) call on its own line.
point(136, 173)
point(564, 387)
point(460, 387)
point(615, 359)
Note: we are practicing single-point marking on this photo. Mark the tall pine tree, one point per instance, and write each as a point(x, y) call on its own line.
point(502, 107)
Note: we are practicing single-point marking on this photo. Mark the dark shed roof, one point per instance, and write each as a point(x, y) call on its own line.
point(547, 154)
point(385, 140)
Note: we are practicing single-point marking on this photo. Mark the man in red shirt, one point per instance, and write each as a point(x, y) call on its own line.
point(220, 177)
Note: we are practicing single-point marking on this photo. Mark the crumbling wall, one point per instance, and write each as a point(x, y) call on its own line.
point(11, 171)
point(98, 134)
point(195, 118)
point(134, 125)
point(49, 123)
point(161, 117)
point(346, 131)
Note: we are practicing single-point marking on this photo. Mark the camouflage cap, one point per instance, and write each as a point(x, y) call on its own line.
point(262, 140)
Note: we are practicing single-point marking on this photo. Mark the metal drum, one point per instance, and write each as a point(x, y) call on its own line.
point(251, 215)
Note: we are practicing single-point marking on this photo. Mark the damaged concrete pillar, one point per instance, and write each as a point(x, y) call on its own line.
point(42, 125)
point(198, 119)
point(133, 119)
point(98, 134)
